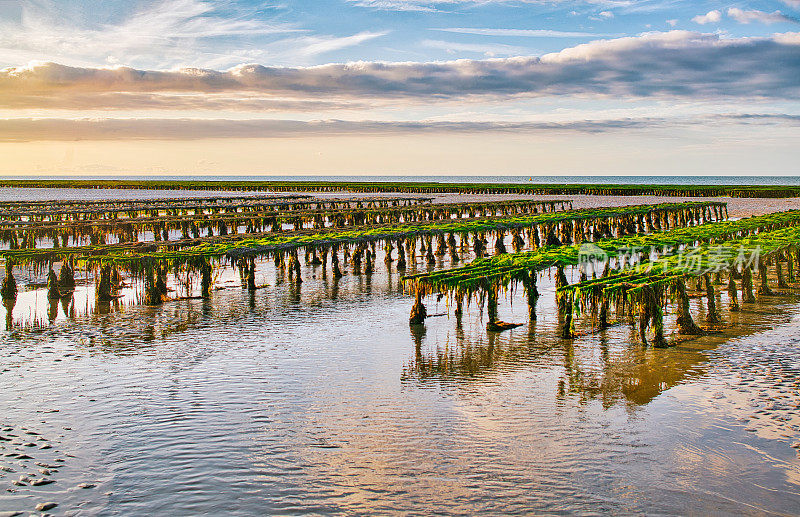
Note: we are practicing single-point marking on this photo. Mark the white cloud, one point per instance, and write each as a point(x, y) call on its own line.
point(30, 129)
point(794, 4)
point(756, 16)
point(164, 34)
point(672, 23)
point(710, 17)
point(443, 5)
point(606, 14)
point(665, 65)
point(525, 33)
point(478, 48)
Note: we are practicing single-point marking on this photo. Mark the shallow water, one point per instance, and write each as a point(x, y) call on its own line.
point(323, 400)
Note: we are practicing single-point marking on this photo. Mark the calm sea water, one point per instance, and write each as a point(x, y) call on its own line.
point(789, 179)
point(321, 399)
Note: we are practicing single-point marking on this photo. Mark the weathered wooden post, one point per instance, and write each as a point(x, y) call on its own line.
point(713, 315)
point(477, 245)
point(747, 286)
point(8, 289)
point(161, 281)
point(763, 288)
point(733, 294)
point(337, 273)
point(568, 325)
point(686, 324)
point(205, 278)
point(66, 277)
point(517, 243)
point(294, 267)
point(441, 246)
point(531, 292)
point(561, 282)
point(152, 295)
point(251, 275)
point(429, 257)
point(401, 257)
point(779, 272)
point(387, 249)
point(53, 293)
point(368, 267)
point(499, 245)
point(451, 244)
point(418, 310)
point(491, 303)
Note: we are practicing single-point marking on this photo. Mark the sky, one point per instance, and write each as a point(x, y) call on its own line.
point(399, 87)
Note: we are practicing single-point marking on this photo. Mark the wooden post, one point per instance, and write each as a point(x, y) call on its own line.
point(161, 281)
point(747, 286)
point(8, 290)
point(66, 277)
point(568, 326)
point(713, 316)
point(337, 273)
point(686, 324)
point(779, 272)
point(733, 294)
point(251, 275)
point(603, 317)
point(401, 258)
point(387, 259)
point(429, 251)
point(532, 293)
point(561, 281)
point(53, 292)
point(459, 301)
point(499, 245)
point(368, 262)
point(151, 294)
point(418, 311)
point(205, 279)
point(491, 303)
point(763, 288)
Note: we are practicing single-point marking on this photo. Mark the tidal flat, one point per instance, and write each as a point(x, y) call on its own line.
point(319, 397)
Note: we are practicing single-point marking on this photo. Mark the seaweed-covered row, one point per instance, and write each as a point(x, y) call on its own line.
point(674, 251)
point(152, 262)
point(649, 285)
point(774, 191)
point(46, 234)
point(126, 209)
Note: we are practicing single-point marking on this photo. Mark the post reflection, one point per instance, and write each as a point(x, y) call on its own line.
point(608, 366)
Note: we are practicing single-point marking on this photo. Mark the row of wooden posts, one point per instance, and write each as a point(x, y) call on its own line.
point(648, 312)
point(362, 254)
point(190, 227)
point(80, 212)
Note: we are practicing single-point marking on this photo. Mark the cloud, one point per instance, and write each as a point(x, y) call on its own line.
point(16, 130)
point(208, 33)
point(710, 17)
point(606, 14)
point(672, 23)
point(526, 33)
point(30, 129)
point(487, 50)
point(444, 5)
point(794, 4)
point(164, 31)
point(670, 64)
point(756, 16)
